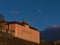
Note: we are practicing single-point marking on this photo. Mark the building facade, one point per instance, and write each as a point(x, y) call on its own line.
point(21, 30)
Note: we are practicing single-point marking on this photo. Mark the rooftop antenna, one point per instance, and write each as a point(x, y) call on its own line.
point(24, 20)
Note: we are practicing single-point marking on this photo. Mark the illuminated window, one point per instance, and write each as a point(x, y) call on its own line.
point(10, 33)
point(3, 30)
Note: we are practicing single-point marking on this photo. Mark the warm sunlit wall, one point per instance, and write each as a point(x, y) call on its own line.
point(24, 32)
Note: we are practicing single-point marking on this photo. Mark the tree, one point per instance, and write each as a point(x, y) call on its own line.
point(1, 17)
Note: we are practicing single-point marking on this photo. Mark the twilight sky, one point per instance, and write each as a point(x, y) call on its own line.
point(38, 13)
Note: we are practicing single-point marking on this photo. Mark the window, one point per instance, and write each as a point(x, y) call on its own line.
point(3, 31)
point(10, 33)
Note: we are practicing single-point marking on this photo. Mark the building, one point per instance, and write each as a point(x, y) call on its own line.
point(21, 30)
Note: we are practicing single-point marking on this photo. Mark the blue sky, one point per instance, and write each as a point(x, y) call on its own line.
point(38, 13)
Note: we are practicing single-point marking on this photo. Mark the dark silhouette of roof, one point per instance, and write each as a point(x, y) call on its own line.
point(33, 28)
point(22, 24)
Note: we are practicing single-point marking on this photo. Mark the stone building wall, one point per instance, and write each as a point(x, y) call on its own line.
point(24, 32)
